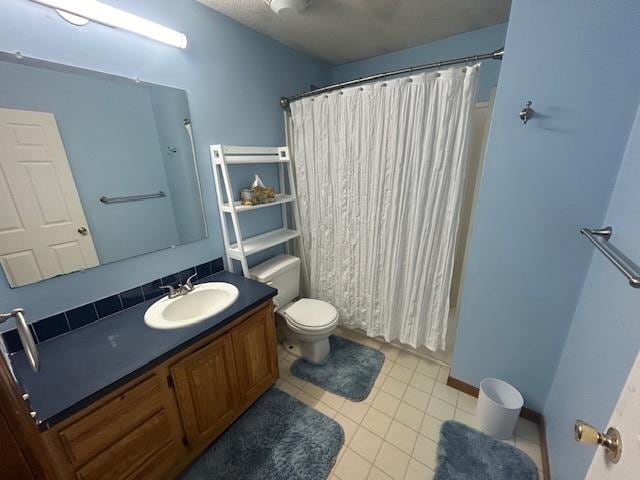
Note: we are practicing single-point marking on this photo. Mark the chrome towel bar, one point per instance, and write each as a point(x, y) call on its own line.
point(132, 198)
point(24, 332)
point(600, 238)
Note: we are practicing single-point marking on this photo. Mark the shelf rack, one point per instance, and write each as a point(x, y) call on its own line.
point(221, 157)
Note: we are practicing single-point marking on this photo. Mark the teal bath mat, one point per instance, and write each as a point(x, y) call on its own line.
point(278, 438)
point(467, 454)
point(350, 370)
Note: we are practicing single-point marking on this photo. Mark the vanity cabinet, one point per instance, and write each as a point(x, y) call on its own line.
point(206, 389)
point(256, 359)
point(155, 426)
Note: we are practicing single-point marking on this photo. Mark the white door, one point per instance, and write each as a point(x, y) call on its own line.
point(43, 230)
point(626, 418)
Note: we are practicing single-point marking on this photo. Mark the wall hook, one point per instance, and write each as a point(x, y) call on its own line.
point(527, 112)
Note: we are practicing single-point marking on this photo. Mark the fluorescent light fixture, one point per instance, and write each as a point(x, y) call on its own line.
point(114, 17)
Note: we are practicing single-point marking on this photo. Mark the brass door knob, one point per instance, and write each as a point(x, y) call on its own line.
point(82, 230)
point(611, 441)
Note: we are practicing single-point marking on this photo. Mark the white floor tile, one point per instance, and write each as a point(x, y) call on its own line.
point(313, 390)
point(394, 387)
point(467, 402)
point(469, 419)
point(530, 449)
point(422, 382)
point(365, 444)
point(428, 368)
point(390, 352)
point(325, 409)
point(392, 461)
point(352, 467)
point(354, 410)
point(401, 373)
point(408, 360)
point(418, 471)
point(443, 374)
point(430, 427)
point(386, 403)
point(409, 416)
point(416, 398)
point(425, 451)
point(372, 395)
point(376, 422)
point(349, 426)
point(306, 398)
point(446, 393)
point(440, 409)
point(387, 366)
point(377, 474)
point(333, 400)
point(296, 382)
point(402, 437)
point(288, 388)
point(528, 430)
point(380, 380)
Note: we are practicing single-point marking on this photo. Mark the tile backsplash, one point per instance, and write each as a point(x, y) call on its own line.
point(65, 322)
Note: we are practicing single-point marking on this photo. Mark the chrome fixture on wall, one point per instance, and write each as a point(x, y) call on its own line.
point(527, 112)
point(132, 198)
point(611, 441)
point(25, 335)
point(600, 238)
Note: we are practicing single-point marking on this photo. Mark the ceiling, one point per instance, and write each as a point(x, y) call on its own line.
point(340, 31)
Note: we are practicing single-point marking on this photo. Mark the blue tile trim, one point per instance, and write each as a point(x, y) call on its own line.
point(65, 322)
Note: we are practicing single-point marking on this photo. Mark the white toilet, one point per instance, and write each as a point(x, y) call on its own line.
point(310, 321)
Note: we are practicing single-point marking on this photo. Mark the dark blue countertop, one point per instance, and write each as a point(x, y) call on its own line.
point(84, 365)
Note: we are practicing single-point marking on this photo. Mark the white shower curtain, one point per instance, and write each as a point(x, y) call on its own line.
point(380, 172)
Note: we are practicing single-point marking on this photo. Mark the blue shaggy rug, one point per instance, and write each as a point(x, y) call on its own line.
point(278, 438)
point(467, 454)
point(350, 370)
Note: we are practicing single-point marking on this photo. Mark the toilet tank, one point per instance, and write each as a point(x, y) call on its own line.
point(283, 273)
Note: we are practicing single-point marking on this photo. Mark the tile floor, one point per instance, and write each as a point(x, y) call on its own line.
point(393, 434)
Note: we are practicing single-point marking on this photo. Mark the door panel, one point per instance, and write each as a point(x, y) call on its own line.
point(206, 388)
point(254, 345)
point(42, 212)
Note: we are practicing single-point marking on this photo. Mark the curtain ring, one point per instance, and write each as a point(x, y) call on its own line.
point(464, 70)
point(383, 85)
point(438, 74)
point(361, 89)
point(341, 92)
point(410, 80)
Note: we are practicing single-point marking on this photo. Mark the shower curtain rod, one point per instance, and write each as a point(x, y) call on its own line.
point(495, 55)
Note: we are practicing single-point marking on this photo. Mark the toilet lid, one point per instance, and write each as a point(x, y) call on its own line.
point(310, 313)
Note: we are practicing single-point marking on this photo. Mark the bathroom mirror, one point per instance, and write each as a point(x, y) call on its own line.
point(94, 168)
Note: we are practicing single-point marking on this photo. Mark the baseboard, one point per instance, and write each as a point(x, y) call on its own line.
point(526, 413)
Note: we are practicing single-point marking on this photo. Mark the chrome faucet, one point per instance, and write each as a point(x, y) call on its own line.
point(180, 289)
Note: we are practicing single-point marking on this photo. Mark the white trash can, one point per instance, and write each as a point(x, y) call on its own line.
point(499, 405)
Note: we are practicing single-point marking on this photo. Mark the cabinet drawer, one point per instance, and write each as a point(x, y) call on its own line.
point(135, 454)
point(104, 426)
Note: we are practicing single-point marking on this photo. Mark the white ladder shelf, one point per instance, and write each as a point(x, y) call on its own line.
point(221, 157)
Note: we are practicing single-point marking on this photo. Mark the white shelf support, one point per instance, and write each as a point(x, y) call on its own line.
point(221, 157)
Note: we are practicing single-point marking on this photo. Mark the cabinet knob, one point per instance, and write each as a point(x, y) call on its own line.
point(611, 441)
point(82, 230)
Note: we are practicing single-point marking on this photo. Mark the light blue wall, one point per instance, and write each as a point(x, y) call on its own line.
point(541, 182)
point(112, 145)
point(604, 337)
point(480, 41)
point(234, 78)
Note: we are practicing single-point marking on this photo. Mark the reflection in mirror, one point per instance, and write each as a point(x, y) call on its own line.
point(69, 137)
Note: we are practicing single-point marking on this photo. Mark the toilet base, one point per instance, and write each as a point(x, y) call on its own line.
point(315, 352)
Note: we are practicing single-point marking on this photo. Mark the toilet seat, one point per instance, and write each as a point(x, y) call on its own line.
point(310, 315)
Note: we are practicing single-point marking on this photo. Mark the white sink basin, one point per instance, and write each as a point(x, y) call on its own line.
point(203, 302)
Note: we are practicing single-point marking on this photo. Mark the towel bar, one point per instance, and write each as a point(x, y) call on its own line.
point(600, 238)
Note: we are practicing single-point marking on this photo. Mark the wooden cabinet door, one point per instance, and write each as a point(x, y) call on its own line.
point(206, 388)
point(255, 349)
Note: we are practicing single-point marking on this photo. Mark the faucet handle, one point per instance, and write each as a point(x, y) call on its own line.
point(188, 283)
point(172, 291)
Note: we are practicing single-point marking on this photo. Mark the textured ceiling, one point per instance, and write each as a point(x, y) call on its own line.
point(341, 31)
